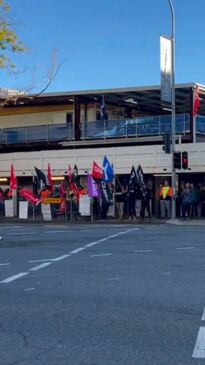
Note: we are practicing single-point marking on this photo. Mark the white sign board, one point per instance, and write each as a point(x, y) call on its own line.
point(23, 210)
point(9, 208)
point(46, 211)
point(84, 205)
point(166, 69)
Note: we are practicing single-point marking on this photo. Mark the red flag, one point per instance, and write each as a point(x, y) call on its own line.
point(50, 182)
point(196, 101)
point(13, 180)
point(74, 189)
point(70, 174)
point(62, 190)
point(97, 172)
point(28, 195)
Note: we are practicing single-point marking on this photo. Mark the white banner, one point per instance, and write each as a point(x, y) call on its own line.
point(84, 205)
point(9, 208)
point(46, 211)
point(23, 210)
point(166, 68)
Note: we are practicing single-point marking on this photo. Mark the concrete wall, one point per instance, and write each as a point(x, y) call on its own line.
point(152, 159)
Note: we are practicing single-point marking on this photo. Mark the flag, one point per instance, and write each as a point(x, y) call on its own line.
point(102, 109)
point(62, 190)
point(75, 172)
point(140, 176)
point(49, 177)
point(13, 180)
point(133, 181)
point(105, 192)
point(74, 189)
point(97, 171)
point(41, 176)
point(28, 195)
point(108, 170)
point(93, 189)
point(196, 101)
point(70, 173)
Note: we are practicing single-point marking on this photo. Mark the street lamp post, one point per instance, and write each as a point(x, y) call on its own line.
point(173, 108)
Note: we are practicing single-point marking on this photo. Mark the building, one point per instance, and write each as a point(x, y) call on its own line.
point(74, 128)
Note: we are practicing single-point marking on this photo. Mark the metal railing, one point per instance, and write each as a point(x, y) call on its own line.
point(42, 133)
point(138, 127)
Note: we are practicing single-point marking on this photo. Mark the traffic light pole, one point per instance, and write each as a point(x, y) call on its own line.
point(173, 109)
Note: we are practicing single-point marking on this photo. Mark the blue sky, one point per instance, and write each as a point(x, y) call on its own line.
point(109, 43)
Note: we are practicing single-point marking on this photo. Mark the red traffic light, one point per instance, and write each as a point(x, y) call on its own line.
point(185, 162)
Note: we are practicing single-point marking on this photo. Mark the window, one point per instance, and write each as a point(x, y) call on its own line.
point(69, 118)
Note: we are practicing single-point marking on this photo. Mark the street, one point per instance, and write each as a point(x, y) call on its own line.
point(102, 294)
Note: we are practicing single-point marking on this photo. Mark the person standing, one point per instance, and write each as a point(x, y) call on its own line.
point(146, 197)
point(186, 201)
point(120, 195)
point(132, 202)
point(165, 200)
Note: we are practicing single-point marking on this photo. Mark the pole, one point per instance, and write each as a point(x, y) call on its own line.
point(173, 108)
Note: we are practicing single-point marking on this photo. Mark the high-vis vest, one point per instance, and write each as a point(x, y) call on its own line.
point(166, 192)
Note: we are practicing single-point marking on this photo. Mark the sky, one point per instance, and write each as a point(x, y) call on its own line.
point(105, 44)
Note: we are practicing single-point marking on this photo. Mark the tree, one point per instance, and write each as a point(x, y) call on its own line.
point(9, 41)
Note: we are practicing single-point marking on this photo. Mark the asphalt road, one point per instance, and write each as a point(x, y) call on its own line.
point(102, 295)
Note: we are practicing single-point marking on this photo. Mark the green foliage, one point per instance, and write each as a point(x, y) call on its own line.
point(9, 41)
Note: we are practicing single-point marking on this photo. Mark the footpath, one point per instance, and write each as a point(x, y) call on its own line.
point(188, 222)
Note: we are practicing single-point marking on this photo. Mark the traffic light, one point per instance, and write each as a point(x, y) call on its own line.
point(185, 160)
point(177, 160)
point(167, 142)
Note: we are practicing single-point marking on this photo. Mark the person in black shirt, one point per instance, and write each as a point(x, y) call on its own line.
point(120, 196)
point(146, 197)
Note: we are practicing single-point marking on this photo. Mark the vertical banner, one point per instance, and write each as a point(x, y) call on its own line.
point(23, 210)
point(46, 211)
point(9, 208)
point(84, 205)
point(166, 68)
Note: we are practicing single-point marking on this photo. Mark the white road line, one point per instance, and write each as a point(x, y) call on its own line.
point(60, 231)
point(203, 316)
point(14, 277)
point(199, 350)
point(143, 251)
point(102, 254)
point(184, 248)
point(27, 289)
point(39, 267)
point(20, 233)
point(111, 279)
point(6, 264)
point(77, 250)
point(61, 257)
point(40, 260)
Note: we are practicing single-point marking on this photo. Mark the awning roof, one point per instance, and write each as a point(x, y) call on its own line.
point(147, 100)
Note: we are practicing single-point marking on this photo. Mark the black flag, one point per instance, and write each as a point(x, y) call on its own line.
point(140, 176)
point(41, 176)
point(133, 181)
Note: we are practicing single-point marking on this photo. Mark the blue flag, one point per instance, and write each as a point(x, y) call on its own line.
point(108, 171)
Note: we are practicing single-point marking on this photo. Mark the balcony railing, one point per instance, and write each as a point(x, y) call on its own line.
point(42, 133)
point(138, 127)
point(125, 128)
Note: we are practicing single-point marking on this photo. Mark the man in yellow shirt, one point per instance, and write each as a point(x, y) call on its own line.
point(165, 200)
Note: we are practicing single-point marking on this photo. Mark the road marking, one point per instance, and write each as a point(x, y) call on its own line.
point(143, 251)
point(5, 264)
point(112, 279)
point(40, 260)
point(60, 231)
point(102, 254)
point(14, 277)
point(77, 250)
point(61, 257)
point(184, 248)
point(39, 267)
point(166, 273)
point(27, 289)
point(199, 350)
point(20, 233)
point(203, 316)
